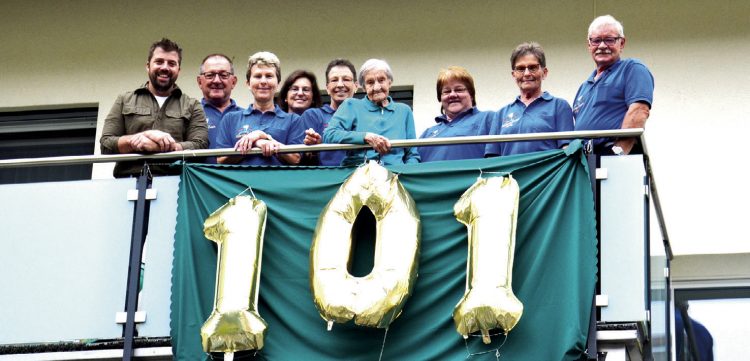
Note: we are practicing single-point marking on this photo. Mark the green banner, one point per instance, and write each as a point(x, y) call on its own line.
point(554, 274)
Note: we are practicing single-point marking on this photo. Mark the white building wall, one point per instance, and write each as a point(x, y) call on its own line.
point(67, 53)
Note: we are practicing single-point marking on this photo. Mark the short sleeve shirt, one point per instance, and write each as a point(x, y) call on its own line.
point(283, 127)
point(469, 123)
point(544, 114)
point(601, 104)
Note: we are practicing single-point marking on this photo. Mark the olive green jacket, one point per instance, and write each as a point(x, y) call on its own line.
point(137, 111)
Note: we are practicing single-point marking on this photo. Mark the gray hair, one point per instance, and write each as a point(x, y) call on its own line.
point(524, 49)
point(606, 20)
point(217, 56)
point(374, 64)
point(264, 58)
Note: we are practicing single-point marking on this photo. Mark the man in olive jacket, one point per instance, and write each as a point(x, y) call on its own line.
point(157, 117)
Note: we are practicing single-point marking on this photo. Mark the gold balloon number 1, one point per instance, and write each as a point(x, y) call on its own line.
point(489, 209)
point(235, 325)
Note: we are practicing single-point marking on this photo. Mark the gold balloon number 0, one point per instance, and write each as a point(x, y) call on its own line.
point(376, 299)
point(235, 325)
point(489, 209)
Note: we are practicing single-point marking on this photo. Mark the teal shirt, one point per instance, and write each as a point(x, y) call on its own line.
point(357, 117)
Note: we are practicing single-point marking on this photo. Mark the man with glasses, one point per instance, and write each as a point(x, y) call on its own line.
point(341, 84)
point(216, 80)
point(618, 94)
point(157, 117)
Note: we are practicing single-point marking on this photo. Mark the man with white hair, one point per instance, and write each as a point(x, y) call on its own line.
point(618, 94)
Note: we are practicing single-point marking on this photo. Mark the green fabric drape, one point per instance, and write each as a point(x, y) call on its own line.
point(554, 274)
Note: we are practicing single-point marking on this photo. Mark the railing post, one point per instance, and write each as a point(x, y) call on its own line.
point(592, 350)
point(138, 237)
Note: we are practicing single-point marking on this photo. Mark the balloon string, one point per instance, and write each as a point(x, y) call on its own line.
point(249, 188)
point(469, 354)
point(385, 335)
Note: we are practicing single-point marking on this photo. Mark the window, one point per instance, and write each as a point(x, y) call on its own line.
point(47, 133)
point(720, 312)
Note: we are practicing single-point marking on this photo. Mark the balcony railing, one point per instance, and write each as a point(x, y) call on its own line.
point(104, 222)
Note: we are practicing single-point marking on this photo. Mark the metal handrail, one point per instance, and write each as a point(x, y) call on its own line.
point(395, 143)
point(655, 197)
point(297, 148)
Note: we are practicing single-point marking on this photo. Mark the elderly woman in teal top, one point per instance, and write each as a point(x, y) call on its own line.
point(373, 120)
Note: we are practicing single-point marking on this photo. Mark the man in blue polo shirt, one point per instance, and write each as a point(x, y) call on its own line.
point(216, 80)
point(618, 94)
point(341, 84)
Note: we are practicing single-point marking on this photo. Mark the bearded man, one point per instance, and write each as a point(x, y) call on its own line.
point(157, 117)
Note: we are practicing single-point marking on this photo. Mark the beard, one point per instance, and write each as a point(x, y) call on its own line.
point(153, 78)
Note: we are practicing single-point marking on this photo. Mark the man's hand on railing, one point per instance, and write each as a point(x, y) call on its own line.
point(626, 144)
point(163, 140)
point(150, 141)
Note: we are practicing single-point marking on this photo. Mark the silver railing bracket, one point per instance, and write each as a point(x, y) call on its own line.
point(133, 194)
point(602, 300)
point(601, 173)
point(122, 317)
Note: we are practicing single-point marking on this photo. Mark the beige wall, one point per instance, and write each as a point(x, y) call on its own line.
point(64, 53)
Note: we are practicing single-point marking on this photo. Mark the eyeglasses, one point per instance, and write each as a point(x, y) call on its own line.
point(224, 75)
point(446, 92)
point(520, 70)
point(609, 41)
point(304, 89)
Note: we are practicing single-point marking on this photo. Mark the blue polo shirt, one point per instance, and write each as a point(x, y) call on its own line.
point(544, 114)
point(213, 118)
point(356, 117)
point(318, 119)
point(283, 127)
point(601, 104)
point(469, 123)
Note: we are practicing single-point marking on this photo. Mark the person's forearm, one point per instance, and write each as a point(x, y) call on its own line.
point(290, 158)
point(123, 144)
point(636, 116)
point(229, 159)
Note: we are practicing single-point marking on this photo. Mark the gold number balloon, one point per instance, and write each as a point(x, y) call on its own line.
point(489, 210)
point(374, 300)
point(234, 324)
